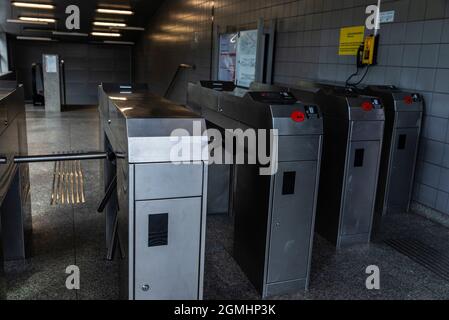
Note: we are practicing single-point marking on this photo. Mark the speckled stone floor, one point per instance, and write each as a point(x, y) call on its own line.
point(67, 235)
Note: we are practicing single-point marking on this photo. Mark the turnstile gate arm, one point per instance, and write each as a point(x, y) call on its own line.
point(64, 157)
point(115, 240)
point(109, 191)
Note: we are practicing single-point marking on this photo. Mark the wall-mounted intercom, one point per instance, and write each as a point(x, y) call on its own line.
point(367, 55)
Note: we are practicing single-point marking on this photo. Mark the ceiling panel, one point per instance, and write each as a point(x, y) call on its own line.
point(143, 11)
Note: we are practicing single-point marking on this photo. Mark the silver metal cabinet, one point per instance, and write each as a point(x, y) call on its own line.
point(274, 215)
point(2, 273)
point(403, 120)
point(160, 205)
point(353, 135)
point(14, 179)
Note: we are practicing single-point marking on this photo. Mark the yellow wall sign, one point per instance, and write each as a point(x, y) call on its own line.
point(350, 40)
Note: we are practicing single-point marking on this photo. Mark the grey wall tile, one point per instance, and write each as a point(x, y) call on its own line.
point(444, 181)
point(445, 162)
point(445, 33)
point(436, 128)
point(411, 55)
point(432, 31)
point(442, 201)
point(430, 175)
point(393, 76)
point(433, 152)
point(441, 82)
point(429, 55)
point(395, 53)
point(440, 105)
point(408, 78)
point(443, 60)
point(395, 33)
point(425, 79)
point(414, 32)
point(447, 136)
point(427, 195)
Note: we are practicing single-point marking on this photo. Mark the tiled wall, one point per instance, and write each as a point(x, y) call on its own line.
point(87, 65)
point(413, 54)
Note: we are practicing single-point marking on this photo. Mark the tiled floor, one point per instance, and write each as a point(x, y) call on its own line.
point(67, 235)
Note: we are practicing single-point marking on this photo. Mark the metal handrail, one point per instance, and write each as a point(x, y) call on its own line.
point(182, 66)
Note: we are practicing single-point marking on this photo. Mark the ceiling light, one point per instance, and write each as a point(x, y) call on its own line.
point(106, 34)
point(33, 5)
point(34, 38)
point(109, 24)
point(118, 98)
point(115, 11)
point(73, 34)
point(34, 19)
point(120, 42)
point(25, 22)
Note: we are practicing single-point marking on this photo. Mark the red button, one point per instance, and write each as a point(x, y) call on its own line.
point(298, 116)
point(408, 100)
point(367, 106)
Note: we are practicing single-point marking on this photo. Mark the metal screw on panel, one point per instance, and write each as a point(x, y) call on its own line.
point(146, 287)
point(109, 121)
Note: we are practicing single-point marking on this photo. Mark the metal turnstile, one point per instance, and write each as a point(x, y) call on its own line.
point(15, 203)
point(403, 119)
point(274, 214)
point(2, 273)
point(353, 135)
point(160, 204)
point(219, 193)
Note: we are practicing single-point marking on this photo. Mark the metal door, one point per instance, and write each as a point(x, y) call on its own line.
point(360, 187)
point(167, 249)
point(402, 164)
point(292, 218)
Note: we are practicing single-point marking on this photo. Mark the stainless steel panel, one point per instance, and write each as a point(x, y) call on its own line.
point(171, 271)
point(199, 98)
point(282, 288)
point(367, 130)
point(163, 149)
point(13, 222)
point(299, 148)
point(401, 171)
point(292, 220)
point(282, 121)
point(2, 273)
point(408, 119)
point(219, 191)
point(360, 188)
point(167, 180)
